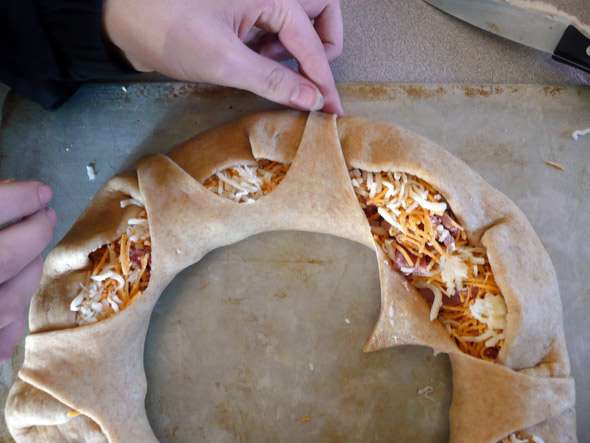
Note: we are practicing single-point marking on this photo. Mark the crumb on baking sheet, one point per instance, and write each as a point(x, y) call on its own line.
point(555, 165)
point(91, 170)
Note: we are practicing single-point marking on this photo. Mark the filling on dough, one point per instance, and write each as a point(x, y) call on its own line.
point(120, 272)
point(247, 183)
point(518, 438)
point(422, 239)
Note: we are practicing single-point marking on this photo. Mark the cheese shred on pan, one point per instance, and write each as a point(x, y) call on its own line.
point(247, 183)
point(422, 239)
point(120, 272)
point(518, 438)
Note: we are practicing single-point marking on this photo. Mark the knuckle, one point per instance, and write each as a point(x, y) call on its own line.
point(274, 80)
point(220, 70)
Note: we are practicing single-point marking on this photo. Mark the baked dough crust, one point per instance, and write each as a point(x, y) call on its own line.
point(85, 368)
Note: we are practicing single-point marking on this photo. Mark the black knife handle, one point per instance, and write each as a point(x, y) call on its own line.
point(573, 49)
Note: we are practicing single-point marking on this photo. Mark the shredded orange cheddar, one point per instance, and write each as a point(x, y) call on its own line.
point(417, 208)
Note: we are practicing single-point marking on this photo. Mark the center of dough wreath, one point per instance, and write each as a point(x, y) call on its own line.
point(461, 271)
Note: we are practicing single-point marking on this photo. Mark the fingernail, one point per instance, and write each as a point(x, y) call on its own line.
point(51, 215)
point(306, 97)
point(45, 194)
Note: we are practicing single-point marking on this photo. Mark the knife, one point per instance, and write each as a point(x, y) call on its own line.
point(541, 30)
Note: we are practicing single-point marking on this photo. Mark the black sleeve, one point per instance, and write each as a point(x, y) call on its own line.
point(48, 48)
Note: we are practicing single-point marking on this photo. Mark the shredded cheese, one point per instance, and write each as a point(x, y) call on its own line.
point(578, 133)
point(120, 272)
point(555, 165)
point(247, 183)
point(516, 437)
point(413, 225)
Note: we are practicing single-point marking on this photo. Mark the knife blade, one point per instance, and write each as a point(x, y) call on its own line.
point(544, 31)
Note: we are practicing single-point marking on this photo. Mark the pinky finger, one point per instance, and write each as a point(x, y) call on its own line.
point(10, 336)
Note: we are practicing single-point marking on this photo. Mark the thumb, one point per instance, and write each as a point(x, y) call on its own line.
point(273, 81)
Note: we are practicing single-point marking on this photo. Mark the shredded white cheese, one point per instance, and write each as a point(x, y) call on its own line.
point(453, 272)
point(490, 310)
point(438, 295)
point(130, 202)
point(578, 133)
point(245, 183)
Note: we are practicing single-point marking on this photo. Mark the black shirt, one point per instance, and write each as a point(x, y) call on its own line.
point(48, 48)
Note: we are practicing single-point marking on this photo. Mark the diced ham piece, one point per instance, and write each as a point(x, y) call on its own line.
point(428, 295)
point(401, 262)
point(470, 292)
point(455, 300)
point(449, 240)
point(370, 210)
point(135, 256)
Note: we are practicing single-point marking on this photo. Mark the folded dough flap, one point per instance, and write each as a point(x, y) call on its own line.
point(187, 220)
point(102, 222)
point(34, 416)
point(270, 135)
point(88, 368)
point(405, 316)
point(525, 274)
point(491, 401)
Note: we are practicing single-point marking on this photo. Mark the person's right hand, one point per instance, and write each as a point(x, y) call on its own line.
point(205, 41)
point(21, 244)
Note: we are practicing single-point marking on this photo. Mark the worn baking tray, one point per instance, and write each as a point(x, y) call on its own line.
point(262, 340)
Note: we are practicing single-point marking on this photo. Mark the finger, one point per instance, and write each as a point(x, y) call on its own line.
point(9, 337)
point(20, 199)
point(21, 242)
point(271, 80)
point(328, 25)
point(295, 31)
point(16, 293)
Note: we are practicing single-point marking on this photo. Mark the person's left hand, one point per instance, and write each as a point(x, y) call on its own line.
point(204, 41)
point(21, 244)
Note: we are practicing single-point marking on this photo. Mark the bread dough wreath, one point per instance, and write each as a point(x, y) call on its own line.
point(86, 368)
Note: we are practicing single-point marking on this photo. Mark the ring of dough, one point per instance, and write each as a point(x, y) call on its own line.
point(86, 368)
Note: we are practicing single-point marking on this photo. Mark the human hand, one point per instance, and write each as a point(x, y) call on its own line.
point(204, 41)
point(21, 244)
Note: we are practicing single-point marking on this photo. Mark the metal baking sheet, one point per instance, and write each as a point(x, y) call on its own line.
point(262, 340)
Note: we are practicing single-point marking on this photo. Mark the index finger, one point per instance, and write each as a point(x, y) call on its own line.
point(20, 199)
point(297, 34)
